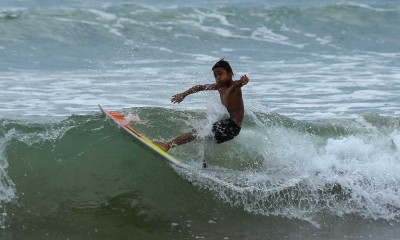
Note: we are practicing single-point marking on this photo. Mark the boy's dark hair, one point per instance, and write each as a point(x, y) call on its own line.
point(223, 64)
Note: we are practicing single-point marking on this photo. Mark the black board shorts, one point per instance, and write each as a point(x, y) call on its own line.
point(225, 130)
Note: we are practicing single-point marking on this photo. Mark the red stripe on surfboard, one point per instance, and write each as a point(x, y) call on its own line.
point(117, 116)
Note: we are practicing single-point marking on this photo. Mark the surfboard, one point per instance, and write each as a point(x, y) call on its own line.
point(118, 118)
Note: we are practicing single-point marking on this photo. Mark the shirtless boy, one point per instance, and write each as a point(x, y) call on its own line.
point(231, 97)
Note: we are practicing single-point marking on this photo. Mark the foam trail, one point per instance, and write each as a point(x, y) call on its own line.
point(7, 186)
point(292, 173)
point(131, 118)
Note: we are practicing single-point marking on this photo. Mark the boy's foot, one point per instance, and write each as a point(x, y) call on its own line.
point(165, 147)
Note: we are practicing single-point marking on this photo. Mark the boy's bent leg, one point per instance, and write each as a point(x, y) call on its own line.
point(182, 139)
point(164, 146)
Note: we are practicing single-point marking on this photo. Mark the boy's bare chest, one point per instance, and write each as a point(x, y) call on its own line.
point(223, 90)
point(222, 93)
point(226, 94)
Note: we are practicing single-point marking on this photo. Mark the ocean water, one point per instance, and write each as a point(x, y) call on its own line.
point(317, 158)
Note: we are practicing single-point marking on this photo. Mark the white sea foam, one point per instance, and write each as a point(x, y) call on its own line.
point(104, 15)
point(185, 36)
point(204, 57)
point(214, 30)
point(7, 186)
point(300, 90)
point(199, 20)
point(324, 40)
point(265, 34)
point(202, 16)
point(369, 7)
point(302, 175)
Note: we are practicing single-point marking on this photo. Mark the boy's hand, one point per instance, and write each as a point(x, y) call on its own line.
point(178, 98)
point(244, 79)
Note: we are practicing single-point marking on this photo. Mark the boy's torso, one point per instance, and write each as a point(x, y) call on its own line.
point(232, 100)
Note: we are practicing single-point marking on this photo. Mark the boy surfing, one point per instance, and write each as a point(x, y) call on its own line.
point(231, 97)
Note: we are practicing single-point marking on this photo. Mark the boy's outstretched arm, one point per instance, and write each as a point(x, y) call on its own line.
point(237, 84)
point(241, 82)
point(180, 96)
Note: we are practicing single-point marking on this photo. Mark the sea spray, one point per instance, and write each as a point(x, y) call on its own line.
point(304, 175)
point(7, 186)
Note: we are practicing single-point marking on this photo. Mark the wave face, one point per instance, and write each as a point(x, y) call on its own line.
point(277, 166)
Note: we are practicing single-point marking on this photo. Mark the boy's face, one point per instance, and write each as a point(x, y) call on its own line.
point(222, 76)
